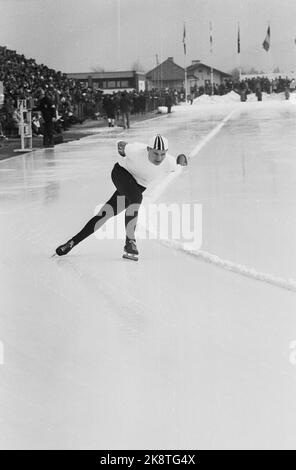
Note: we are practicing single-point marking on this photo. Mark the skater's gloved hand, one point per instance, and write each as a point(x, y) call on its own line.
point(182, 160)
point(120, 147)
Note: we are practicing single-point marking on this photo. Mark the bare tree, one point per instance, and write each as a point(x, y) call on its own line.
point(97, 68)
point(235, 74)
point(137, 66)
point(252, 71)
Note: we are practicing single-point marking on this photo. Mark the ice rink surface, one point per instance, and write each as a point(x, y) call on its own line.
point(175, 351)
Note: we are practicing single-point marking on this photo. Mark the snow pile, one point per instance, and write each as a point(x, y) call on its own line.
point(252, 97)
point(231, 97)
point(267, 97)
point(162, 109)
point(216, 99)
point(203, 99)
point(293, 97)
point(276, 96)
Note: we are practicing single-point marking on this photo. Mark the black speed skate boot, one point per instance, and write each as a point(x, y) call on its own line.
point(130, 250)
point(65, 248)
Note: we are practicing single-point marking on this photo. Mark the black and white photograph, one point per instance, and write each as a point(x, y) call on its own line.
point(147, 227)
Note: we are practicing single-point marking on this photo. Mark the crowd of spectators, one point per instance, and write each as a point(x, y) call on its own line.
point(75, 101)
point(115, 105)
point(246, 86)
point(24, 78)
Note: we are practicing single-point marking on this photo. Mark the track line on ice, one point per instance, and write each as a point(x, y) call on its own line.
point(157, 191)
point(288, 284)
point(211, 134)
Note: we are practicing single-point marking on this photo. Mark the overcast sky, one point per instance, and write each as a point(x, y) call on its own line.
point(79, 35)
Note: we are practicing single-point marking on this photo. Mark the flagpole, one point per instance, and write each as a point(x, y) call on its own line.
point(267, 46)
point(212, 80)
point(158, 72)
point(185, 69)
point(211, 50)
point(294, 71)
point(118, 34)
point(186, 90)
point(270, 56)
point(238, 51)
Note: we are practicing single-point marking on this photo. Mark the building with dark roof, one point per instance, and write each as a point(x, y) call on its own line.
point(112, 81)
point(170, 75)
point(199, 74)
point(166, 75)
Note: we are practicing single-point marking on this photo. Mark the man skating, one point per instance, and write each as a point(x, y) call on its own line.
point(139, 165)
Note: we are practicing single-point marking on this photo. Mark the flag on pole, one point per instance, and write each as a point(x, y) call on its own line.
point(211, 38)
point(184, 39)
point(266, 42)
point(238, 40)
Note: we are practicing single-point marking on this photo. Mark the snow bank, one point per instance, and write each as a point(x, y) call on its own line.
point(162, 109)
point(293, 97)
point(231, 97)
point(234, 97)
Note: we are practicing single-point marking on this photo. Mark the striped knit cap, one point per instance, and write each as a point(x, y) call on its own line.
point(159, 143)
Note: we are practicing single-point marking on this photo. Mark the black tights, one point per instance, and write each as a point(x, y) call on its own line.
point(128, 195)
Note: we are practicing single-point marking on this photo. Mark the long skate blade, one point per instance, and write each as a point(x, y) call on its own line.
point(129, 256)
point(53, 256)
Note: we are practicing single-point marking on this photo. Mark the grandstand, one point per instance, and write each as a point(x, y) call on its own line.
point(79, 96)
